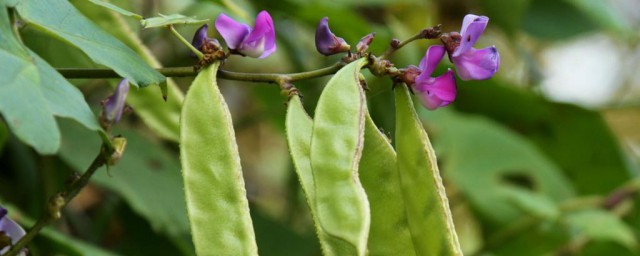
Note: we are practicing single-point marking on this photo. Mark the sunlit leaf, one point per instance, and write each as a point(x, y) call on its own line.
point(166, 20)
point(213, 183)
point(336, 148)
point(389, 233)
point(428, 212)
point(61, 19)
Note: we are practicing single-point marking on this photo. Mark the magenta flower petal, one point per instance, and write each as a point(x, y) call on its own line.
point(232, 31)
point(477, 64)
point(436, 92)
point(114, 105)
point(261, 41)
point(472, 27)
point(10, 229)
point(431, 59)
point(328, 43)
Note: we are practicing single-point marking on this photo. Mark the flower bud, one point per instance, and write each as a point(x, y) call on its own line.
point(326, 42)
point(114, 105)
point(364, 43)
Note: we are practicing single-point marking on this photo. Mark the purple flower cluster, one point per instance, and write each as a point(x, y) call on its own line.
point(470, 63)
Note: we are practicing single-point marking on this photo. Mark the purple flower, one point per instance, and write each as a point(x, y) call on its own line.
point(10, 232)
point(256, 42)
point(113, 106)
point(328, 43)
point(472, 63)
point(434, 92)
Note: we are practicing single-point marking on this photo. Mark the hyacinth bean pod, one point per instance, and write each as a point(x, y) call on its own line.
point(214, 187)
point(336, 148)
point(428, 211)
point(389, 233)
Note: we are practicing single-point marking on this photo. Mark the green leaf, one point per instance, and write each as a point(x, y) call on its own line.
point(31, 92)
point(336, 148)
point(166, 20)
point(389, 234)
point(162, 117)
point(483, 159)
point(601, 225)
point(214, 188)
point(61, 19)
point(64, 99)
point(117, 9)
point(23, 105)
point(535, 204)
point(555, 129)
point(146, 172)
point(427, 205)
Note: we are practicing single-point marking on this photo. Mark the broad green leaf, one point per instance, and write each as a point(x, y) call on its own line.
point(32, 92)
point(389, 234)
point(557, 130)
point(336, 148)
point(24, 106)
point(64, 99)
point(601, 225)
point(117, 9)
point(147, 177)
point(214, 187)
point(162, 117)
point(166, 20)
point(61, 19)
point(427, 205)
point(483, 159)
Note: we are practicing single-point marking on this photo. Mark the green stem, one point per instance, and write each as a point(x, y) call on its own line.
point(57, 203)
point(427, 33)
point(188, 71)
point(185, 42)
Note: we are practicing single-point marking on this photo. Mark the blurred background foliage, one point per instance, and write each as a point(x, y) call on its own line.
point(541, 159)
